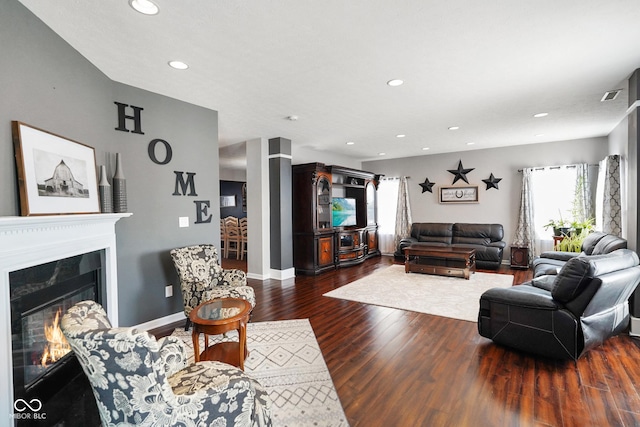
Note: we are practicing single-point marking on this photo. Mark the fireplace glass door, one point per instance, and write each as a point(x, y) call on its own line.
point(40, 296)
point(43, 343)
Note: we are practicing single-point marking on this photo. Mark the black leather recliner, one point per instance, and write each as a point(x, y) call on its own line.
point(596, 243)
point(562, 316)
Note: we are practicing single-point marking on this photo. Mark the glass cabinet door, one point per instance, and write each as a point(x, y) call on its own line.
point(371, 204)
point(324, 202)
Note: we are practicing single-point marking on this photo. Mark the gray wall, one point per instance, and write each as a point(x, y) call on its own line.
point(47, 84)
point(495, 206)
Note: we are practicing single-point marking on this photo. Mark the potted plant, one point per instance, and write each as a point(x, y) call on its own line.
point(572, 242)
point(560, 227)
point(580, 226)
point(579, 231)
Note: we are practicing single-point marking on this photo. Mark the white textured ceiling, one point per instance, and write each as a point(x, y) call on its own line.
point(486, 66)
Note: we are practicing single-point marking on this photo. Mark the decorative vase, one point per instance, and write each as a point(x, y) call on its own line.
point(104, 190)
point(119, 187)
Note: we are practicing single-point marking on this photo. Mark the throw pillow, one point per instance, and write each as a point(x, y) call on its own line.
point(572, 279)
point(608, 244)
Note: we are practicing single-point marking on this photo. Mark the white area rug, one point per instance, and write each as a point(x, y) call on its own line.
point(442, 296)
point(285, 358)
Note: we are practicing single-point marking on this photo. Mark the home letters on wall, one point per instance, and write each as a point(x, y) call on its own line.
point(185, 181)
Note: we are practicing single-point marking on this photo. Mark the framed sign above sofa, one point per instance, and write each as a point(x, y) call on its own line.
point(467, 194)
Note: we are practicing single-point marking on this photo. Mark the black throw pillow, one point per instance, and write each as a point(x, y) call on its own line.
point(572, 279)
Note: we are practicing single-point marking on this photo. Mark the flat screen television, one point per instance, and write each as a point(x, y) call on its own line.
point(343, 211)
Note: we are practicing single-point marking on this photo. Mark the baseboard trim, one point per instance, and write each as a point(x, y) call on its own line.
point(289, 273)
point(634, 328)
point(162, 321)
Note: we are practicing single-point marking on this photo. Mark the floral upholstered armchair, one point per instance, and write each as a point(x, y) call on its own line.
point(137, 380)
point(202, 278)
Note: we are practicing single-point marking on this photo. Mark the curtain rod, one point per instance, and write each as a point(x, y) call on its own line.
point(556, 167)
point(389, 178)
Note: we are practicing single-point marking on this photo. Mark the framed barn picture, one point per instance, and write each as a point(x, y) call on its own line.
point(55, 174)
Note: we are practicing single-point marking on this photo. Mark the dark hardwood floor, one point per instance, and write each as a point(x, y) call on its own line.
point(399, 368)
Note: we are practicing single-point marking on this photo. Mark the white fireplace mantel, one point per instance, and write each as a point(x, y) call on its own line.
point(34, 240)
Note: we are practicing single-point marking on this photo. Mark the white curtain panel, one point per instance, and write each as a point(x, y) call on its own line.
point(387, 203)
point(584, 184)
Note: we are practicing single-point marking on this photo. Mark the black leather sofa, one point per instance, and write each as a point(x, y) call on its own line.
point(486, 239)
point(596, 243)
point(562, 316)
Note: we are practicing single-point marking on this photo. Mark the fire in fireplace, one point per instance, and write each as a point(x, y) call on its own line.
point(57, 346)
point(44, 368)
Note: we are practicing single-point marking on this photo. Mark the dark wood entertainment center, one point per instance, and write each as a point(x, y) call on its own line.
point(318, 245)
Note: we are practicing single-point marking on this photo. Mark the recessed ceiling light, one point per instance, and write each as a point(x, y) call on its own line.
point(400, 135)
point(351, 143)
point(178, 65)
point(425, 148)
point(146, 7)
point(382, 154)
point(539, 134)
point(395, 82)
point(454, 128)
point(540, 115)
point(471, 143)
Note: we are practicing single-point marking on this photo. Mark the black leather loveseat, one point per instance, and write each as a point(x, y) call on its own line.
point(596, 243)
point(486, 239)
point(563, 315)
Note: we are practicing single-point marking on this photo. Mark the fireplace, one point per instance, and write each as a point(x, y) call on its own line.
point(44, 367)
point(47, 264)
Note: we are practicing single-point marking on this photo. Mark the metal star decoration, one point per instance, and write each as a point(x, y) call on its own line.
point(427, 185)
point(492, 182)
point(460, 173)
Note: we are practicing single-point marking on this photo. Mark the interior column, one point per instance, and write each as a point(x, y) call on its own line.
point(258, 258)
point(281, 223)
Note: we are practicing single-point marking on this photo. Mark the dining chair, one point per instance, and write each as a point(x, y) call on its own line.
point(223, 237)
point(243, 238)
point(232, 236)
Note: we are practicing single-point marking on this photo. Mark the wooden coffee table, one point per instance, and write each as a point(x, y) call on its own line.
point(445, 261)
point(216, 317)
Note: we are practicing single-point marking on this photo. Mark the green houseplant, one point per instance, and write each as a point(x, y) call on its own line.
point(560, 226)
point(579, 227)
point(572, 242)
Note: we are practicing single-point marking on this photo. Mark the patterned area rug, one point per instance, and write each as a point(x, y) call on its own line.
point(285, 358)
point(442, 296)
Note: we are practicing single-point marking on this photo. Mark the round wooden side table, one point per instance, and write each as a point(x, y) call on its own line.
point(216, 317)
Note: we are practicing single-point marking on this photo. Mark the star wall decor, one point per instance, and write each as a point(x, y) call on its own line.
point(460, 173)
point(427, 185)
point(492, 182)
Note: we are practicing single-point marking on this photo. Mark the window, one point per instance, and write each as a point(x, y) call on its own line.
point(553, 192)
point(387, 204)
